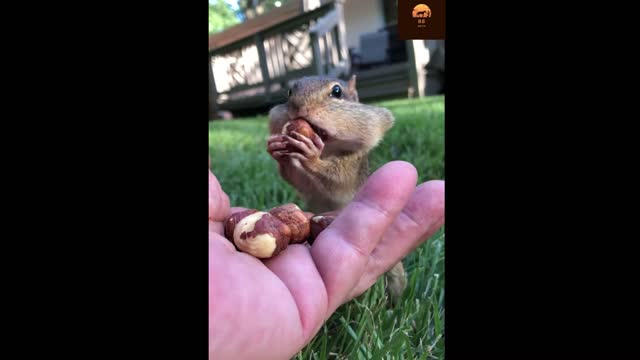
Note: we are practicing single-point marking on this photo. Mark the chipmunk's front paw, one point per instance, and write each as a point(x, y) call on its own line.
point(303, 148)
point(276, 147)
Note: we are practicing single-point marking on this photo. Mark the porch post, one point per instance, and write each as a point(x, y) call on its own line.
point(418, 58)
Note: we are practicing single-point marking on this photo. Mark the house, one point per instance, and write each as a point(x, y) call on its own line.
point(253, 63)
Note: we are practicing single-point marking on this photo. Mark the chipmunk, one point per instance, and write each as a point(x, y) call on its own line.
point(329, 169)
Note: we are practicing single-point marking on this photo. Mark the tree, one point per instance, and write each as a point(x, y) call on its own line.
point(221, 16)
point(250, 8)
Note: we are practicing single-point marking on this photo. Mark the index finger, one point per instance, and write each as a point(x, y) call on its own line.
point(341, 252)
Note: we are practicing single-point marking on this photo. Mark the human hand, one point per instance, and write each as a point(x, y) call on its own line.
point(269, 309)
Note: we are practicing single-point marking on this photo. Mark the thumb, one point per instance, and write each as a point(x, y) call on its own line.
point(218, 200)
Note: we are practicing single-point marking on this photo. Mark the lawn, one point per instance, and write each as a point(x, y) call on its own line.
point(367, 327)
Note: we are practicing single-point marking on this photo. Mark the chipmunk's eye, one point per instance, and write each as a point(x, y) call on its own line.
point(289, 93)
point(336, 92)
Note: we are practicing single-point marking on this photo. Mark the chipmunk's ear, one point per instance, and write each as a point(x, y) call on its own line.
point(352, 87)
point(352, 83)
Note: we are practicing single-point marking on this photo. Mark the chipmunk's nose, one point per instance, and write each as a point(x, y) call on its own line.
point(296, 111)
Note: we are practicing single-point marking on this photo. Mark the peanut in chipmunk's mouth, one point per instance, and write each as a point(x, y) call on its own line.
point(324, 135)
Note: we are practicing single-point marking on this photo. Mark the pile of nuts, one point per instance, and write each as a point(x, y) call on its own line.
point(264, 234)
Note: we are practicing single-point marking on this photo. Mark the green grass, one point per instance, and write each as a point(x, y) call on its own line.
point(368, 327)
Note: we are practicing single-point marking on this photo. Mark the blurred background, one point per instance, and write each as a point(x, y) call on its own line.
point(257, 47)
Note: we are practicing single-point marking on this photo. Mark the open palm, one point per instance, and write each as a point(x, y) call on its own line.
point(269, 309)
